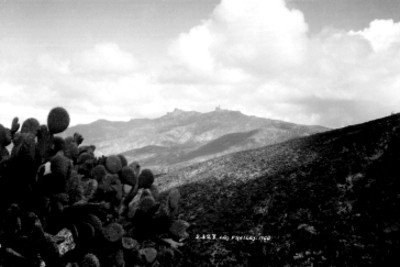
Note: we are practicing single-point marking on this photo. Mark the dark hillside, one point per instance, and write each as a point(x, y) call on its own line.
point(331, 199)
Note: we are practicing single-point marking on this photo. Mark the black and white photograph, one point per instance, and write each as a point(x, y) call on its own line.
point(173, 133)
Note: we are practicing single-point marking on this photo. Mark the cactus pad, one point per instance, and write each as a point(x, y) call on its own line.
point(59, 144)
point(98, 173)
point(57, 120)
point(84, 157)
point(71, 148)
point(113, 232)
point(127, 176)
point(95, 222)
point(61, 166)
point(15, 125)
point(129, 243)
point(113, 164)
point(90, 260)
point(148, 255)
point(5, 136)
point(24, 147)
point(146, 178)
point(123, 159)
point(87, 149)
point(147, 204)
point(30, 125)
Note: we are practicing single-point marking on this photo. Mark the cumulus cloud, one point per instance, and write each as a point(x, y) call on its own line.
point(331, 78)
point(255, 36)
point(382, 34)
point(256, 56)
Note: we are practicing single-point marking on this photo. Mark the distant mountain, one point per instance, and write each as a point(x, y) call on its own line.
point(330, 199)
point(184, 137)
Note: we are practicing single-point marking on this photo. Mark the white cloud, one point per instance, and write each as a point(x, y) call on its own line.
point(283, 72)
point(193, 50)
point(255, 56)
point(104, 58)
point(247, 35)
point(382, 34)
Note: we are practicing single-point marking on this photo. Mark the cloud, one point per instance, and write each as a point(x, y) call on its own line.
point(101, 82)
point(255, 56)
point(269, 64)
point(247, 35)
point(382, 34)
point(104, 58)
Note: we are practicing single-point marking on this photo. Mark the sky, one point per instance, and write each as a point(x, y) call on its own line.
point(325, 62)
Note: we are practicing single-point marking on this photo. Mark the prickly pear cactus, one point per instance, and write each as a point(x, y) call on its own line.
point(113, 232)
point(87, 149)
point(30, 125)
point(71, 148)
point(15, 126)
point(148, 255)
point(90, 260)
point(147, 204)
point(75, 188)
point(84, 157)
point(95, 222)
point(61, 166)
point(123, 159)
point(113, 164)
point(5, 136)
point(98, 173)
point(146, 178)
point(24, 147)
point(127, 176)
point(58, 144)
point(95, 201)
point(129, 243)
point(78, 138)
point(45, 144)
point(57, 120)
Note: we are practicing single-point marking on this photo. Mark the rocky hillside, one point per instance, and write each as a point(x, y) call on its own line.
point(187, 136)
point(330, 199)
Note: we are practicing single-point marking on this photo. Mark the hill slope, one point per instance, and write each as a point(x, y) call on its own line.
point(183, 136)
point(331, 199)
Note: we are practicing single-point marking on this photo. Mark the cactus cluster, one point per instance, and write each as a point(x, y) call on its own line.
point(61, 205)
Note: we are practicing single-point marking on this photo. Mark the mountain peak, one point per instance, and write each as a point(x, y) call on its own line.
point(179, 113)
point(219, 109)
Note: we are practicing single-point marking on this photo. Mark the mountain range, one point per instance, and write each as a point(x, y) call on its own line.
point(181, 138)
